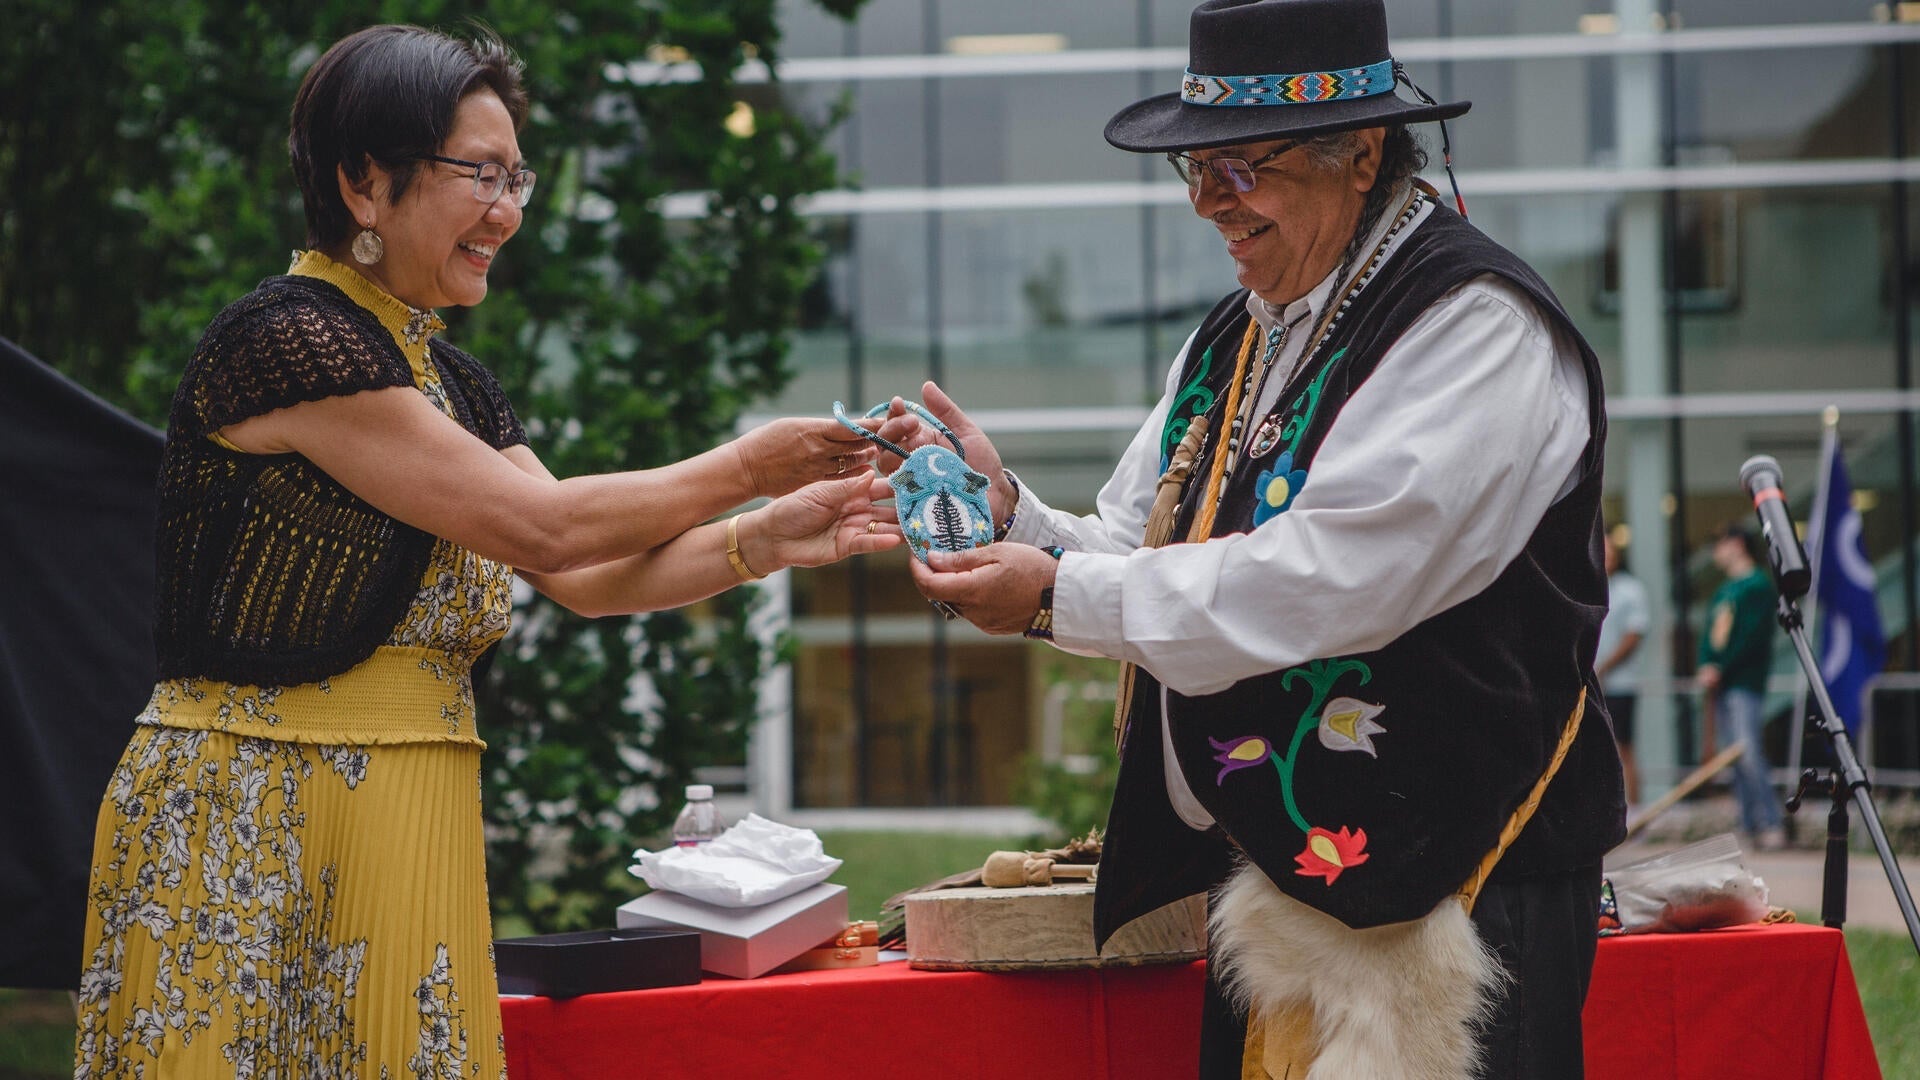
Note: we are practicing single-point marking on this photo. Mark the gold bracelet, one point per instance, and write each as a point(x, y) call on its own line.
point(733, 552)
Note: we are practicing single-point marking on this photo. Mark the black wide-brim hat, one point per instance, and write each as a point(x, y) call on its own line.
point(1274, 69)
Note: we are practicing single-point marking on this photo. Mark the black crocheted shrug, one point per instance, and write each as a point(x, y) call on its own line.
point(270, 572)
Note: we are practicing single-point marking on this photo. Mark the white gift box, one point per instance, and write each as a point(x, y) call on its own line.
point(745, 942)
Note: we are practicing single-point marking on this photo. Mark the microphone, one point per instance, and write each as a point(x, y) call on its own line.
point(1761, 477)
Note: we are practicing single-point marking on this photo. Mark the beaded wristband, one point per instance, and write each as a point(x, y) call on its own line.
point(1013, 515)
point(734, 558)
point(1041, 628)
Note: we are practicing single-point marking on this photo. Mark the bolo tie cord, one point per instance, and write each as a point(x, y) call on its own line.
point(1446, 145)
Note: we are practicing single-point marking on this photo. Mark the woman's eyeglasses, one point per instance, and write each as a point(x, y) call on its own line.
point(492, 180)
point(1233, 173)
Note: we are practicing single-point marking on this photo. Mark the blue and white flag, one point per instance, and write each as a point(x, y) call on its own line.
point(1853, 647)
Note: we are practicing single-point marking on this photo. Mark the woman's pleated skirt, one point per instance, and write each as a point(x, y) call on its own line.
point(261, 907)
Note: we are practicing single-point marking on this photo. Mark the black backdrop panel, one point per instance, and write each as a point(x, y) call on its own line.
point(76, 646)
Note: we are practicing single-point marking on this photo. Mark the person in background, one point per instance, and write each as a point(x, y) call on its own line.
point(288, 874)
point(1736, 655)
point(1353, 562)
point(1618, 657)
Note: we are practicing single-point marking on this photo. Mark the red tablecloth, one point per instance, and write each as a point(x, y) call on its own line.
point(1755, 1003)
point(1752, 1002)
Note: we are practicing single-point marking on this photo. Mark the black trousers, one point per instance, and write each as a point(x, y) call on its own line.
point(1544, 931)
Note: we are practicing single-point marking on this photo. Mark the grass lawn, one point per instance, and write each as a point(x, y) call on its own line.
point(36, 1035)
point(1888, 974)
point(36, 1028)
point(879, 864)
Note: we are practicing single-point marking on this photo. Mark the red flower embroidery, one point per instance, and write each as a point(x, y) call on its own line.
point(1328, 853)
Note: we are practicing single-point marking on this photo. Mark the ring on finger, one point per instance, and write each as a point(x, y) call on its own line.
point(840, 460)
point(872, 525)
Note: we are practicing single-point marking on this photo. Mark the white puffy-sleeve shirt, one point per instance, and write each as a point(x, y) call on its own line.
point(1430, 481)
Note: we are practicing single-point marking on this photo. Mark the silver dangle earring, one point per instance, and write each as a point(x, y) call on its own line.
point(368, 247)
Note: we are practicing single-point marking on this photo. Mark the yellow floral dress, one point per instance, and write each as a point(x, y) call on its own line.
point(289, 881)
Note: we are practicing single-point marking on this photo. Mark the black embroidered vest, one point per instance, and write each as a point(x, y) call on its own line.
point(1370, 786)
point(269, 571)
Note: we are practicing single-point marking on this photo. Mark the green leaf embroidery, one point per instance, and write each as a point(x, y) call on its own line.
point(1321, 676)
point(1202, 400)
point(1306, 405)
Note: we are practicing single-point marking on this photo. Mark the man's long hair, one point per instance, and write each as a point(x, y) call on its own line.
point(1402, 156)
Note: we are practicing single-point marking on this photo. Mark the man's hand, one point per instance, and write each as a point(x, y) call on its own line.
point(996, 588)
point(1708, 677)
point(909, 431)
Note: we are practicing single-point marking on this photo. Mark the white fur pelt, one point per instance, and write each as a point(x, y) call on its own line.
point(1394, 1002)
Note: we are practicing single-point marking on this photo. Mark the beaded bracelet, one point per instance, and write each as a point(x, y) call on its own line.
point(1013, 515)
point(1041, 628)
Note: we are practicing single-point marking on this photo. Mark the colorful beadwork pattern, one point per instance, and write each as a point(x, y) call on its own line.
point(941, 501)
point(1301, 89)
point(1343, 724)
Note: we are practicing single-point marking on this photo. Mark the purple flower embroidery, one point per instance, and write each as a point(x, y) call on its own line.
point(1241, 753)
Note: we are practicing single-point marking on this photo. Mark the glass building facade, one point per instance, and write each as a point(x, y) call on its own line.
point(1719, 193)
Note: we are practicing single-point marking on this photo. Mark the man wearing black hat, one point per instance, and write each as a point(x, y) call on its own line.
point(1353, 563)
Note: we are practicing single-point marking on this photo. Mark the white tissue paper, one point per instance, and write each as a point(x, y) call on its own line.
point(755, 862)
point(1698, 887)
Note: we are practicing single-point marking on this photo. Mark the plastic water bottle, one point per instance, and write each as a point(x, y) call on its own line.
point(698, 822)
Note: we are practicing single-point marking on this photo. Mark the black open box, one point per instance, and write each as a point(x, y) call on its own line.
point(597, 961)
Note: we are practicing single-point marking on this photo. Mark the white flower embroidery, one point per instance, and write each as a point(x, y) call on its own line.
point(1347, 724)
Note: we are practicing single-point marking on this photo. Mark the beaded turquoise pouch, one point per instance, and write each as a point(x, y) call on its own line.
point(941, 500)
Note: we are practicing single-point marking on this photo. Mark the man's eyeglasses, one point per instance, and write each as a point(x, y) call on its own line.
point(1233, 173)
point(492, 180)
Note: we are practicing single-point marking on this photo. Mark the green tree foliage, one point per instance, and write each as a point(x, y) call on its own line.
point(144, 169)
point(1075, 790)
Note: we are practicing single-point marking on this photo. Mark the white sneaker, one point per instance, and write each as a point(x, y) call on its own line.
point(1774, 839)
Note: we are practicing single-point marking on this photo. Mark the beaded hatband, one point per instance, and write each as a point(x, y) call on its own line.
point(1302, 89)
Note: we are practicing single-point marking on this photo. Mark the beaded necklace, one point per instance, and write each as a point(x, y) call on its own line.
point(1255, 382)
point(1243, 400)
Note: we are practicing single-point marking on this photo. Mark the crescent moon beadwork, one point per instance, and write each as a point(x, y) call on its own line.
point(942, 501)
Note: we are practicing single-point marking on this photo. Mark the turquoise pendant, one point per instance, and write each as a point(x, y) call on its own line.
point(1265, 438)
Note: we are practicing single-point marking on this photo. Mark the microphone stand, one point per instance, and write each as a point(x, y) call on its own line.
point(1845, 781)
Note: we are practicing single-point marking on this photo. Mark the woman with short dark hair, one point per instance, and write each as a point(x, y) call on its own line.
point(288, 870)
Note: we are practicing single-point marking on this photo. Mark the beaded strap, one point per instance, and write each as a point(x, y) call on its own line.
point(932, 421)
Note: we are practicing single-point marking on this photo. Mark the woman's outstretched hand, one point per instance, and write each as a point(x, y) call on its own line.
point(782, 456)
point(823, 523)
